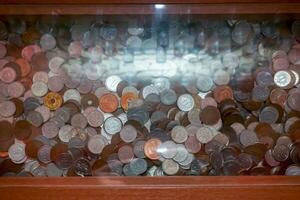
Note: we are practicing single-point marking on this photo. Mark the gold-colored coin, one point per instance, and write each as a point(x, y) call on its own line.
point(53, 100)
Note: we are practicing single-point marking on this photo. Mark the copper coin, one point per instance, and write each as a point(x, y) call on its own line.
point(53, 100)
point(108, 103)
point(210, 115)
point(127, 98)
point(29, 51)
point(58, 149)
point(22, 130)
point(151, 147)
point(278, 96)
point(32, 148)
point(19, 107)
point(39, 61)
point(25, 67)
point(6, 131)
point(222, 92)
point(89, 100)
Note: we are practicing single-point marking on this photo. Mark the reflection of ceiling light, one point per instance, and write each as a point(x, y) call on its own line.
point(160, 6)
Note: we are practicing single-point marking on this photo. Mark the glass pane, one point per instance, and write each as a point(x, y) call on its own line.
point(149, 94)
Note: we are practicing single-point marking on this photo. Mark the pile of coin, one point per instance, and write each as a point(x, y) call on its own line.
point(96, 98)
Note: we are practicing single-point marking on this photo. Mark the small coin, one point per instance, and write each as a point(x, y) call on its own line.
point(39, 88)
point(179, 134)
point(185, 102)
point(248, 137)
point(112, 82)
point(170, 167)
point(125, 154)
point(127, 98)
point(53, 100)
point(281, 152)
point(15, 89)
point(192, 144)
point(47, 42)
point(151, 148)
point(138, 166)
point(79, 120)
point(16, 152)
point(205, 134)
point(72, 94)
point(108, 103)
point(282, 79)
point(112, 125)
point(128, 133)
point(96, 144)
point(50, 129)
point(35, 118)
point(7, 108)
point(8, 75)
point(55, 84)
point(95, 118)
point(168, 97)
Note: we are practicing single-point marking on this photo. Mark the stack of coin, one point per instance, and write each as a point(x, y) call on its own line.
point(90, 99)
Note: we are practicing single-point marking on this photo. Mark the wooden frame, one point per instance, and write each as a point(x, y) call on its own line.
point(225, 188)
point(273, 187)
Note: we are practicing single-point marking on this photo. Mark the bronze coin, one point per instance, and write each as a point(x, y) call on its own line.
point(210, 115)
point(22, 130)
point(19, 107)
point(32, 148)
point(58, 149)
point(6, 131)
point(89, 100)
point(39, 61)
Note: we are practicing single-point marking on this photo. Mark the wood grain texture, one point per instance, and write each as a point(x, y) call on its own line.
point(225, 188)
point(208, 9)
point(139, 1)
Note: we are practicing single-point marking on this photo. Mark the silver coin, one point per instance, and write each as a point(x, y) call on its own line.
point(53, 171)
point(204, 83)
point(138, 166)
point(205, 134)
point(55, 64)
point(134, 42)
point(63, 113)
point(181, 154)
point(241, 32)
point(221, 77)
point(39, 88)
point(138, 149)
point(134, 30)
point(7, 108)
point(112, 125)
point(95, 118)
point(47, 42)
point(168, 96)
point(44, 111)
point(79, 121)
point(179, 134)
point(128, 133)
point(16, 152)
point(72, 94)
point(170, 167)
point(162, 83)
point(149, 89)
point(185, 102)
point(167, 149)
point(123, 117)
point(50, 129)
point(293, 170)
point(230, 60)
point(127, 170)
point(35, 118)
point(108, 32)
point(189, 159)
point(282, 79)
point(96, 144)
point(112, 82)
point(64, 133)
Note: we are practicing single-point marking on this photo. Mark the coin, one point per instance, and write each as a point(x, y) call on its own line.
point(127, 98)
point(151, 148)
point(108, 102)
point(7, 108)
point(50, 129)
point(8, 75)
point(53, 100)
point(47, 42)
point(39, 88)
point(95, 118)
point(185, 102)
point(128, 133)
point(179, 134)
point(112, 125)
point(96, 144)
